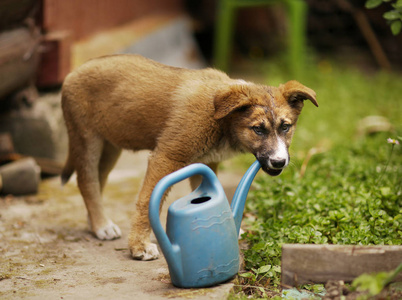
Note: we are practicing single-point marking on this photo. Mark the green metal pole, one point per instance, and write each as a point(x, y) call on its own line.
point(297, 36)
point(224, 35)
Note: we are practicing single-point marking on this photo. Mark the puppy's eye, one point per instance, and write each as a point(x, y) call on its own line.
point(259, 130)
point(285, 127)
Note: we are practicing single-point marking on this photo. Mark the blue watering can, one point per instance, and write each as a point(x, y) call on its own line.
point(201, 239)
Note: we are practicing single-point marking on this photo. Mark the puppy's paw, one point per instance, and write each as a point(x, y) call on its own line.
point(149, 252)
point(110, 231)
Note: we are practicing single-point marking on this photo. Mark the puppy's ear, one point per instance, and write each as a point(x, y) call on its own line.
point(295, 93)
point(228, 100)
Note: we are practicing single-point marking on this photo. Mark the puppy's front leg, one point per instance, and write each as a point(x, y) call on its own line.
point(139, 239)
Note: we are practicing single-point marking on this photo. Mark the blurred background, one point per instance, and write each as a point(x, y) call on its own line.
point(344, 153)
point(270, 41)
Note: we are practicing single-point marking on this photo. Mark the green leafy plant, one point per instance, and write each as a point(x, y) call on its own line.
point(350, 191)
point(375, 283)
point(394, 16)
point(337, 202)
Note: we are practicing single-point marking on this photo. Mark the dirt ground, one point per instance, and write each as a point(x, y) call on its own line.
point(47, 252)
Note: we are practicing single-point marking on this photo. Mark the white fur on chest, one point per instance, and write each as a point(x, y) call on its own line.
point(218, 154)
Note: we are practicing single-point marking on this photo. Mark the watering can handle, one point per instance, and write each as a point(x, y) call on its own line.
point(172, 252)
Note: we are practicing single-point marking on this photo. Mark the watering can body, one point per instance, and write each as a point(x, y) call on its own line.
point(201, 239)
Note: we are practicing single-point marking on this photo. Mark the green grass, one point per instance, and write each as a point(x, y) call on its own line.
point(348, 192)
point(345, 96)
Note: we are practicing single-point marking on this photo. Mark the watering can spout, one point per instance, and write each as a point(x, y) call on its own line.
point(239, 198)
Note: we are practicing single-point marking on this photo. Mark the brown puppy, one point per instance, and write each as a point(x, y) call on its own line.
point(183, 116)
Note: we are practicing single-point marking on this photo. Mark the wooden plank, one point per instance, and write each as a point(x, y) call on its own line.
point(302, 264)
point(55, 61)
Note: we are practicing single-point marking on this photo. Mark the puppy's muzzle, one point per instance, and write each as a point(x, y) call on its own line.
point(273, 166)
point(277, 163)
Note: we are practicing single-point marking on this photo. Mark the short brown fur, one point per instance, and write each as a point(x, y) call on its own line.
point(182, 116)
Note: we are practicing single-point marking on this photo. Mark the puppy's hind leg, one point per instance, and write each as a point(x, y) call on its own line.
point(110, 155)
point(88, 160)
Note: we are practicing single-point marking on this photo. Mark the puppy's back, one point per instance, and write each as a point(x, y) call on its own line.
point(122, 96)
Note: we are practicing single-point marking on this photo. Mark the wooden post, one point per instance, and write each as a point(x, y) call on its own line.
point(302, 264)
point(55, 59)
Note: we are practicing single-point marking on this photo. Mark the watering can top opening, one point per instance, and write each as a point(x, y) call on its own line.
point(200, 200)
point(203, 198)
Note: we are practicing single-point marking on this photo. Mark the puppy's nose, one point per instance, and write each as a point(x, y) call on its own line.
point(278, 163)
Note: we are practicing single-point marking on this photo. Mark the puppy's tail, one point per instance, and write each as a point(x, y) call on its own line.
point(68, 170)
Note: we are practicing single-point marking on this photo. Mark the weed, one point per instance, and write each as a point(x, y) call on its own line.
point(375, 283)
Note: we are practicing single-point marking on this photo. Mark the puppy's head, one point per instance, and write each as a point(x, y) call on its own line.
point(262, 119)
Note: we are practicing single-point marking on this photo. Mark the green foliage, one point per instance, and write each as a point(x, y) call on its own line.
point(345, 96)
point(375, 283)
point(351, 190)
point(340, 200)
point(394, 17)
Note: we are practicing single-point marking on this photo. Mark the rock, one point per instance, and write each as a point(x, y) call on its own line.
point(37, 129)
point(20, 177)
